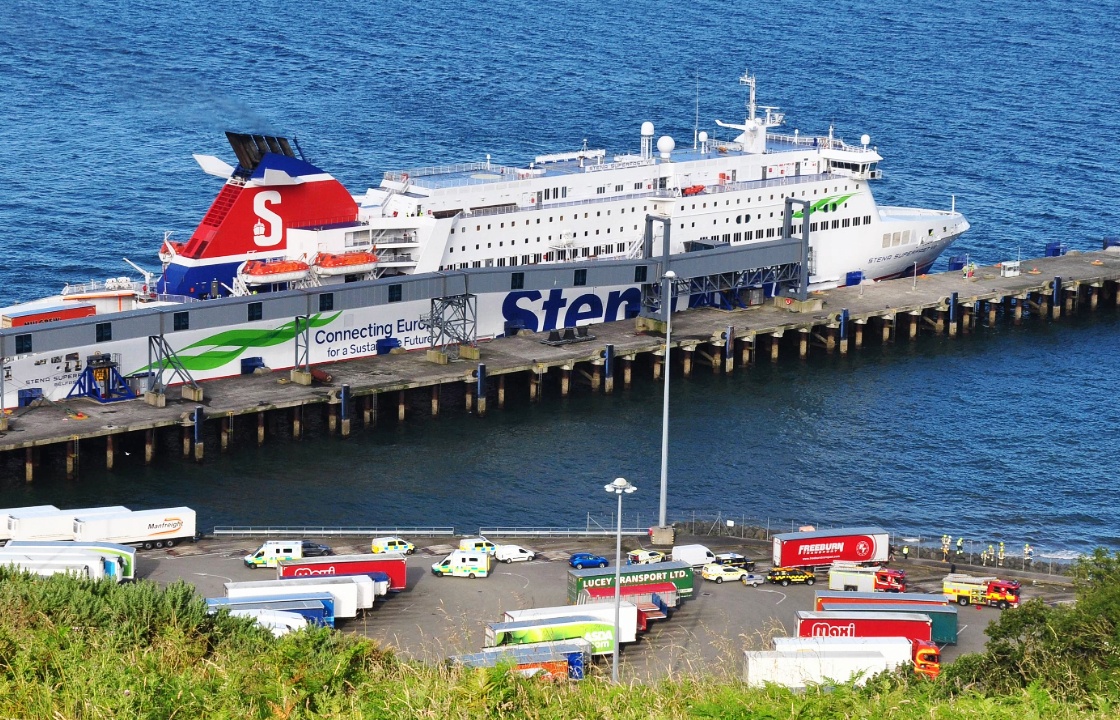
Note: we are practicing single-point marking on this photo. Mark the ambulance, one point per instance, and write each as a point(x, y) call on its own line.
point(464, 563)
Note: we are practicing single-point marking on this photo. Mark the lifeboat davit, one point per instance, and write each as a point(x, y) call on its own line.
point(692, 190)
point(351, 263)
point(264, 272)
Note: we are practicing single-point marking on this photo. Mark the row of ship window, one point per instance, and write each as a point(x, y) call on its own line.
point(703, 205)
point(575, 253)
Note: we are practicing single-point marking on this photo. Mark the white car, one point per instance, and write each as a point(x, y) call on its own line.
point(513, 553)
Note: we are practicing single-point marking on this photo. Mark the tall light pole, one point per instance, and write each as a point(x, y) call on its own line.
point(618, 487)
point(667, 305)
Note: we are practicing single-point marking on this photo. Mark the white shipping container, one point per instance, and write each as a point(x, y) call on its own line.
point(277, 622)
point(54, 526)
point(799, 669)
point(6, 514)
point(346, 595)
point(162, 527)
point(112, 565)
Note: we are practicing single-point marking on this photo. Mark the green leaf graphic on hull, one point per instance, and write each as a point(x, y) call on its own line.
point(228, 345)
point(839, 200)
point(600, 635)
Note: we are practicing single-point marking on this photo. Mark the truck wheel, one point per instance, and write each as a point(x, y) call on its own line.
point(785, 583)
point(148, 545)
point(810, 581)
point(962, 600)
point(169, 543)
point(1003, 605)
point(719, 581)
point(159, 544)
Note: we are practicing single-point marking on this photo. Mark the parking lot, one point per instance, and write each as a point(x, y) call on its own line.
point(441, 616)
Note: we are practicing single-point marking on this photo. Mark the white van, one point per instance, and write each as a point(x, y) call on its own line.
point(694, 555)
point(513, 553)
point(477, 544)
point(273, 551)
point(464, 563)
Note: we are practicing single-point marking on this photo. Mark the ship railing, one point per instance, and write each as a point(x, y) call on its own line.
point(818, 141)
point(171, 298)
point(542, 532)
point(121, 283)
point(325, 531)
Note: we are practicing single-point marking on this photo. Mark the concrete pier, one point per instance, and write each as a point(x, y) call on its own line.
point(945, 304)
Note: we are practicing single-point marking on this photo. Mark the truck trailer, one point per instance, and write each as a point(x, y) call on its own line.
point(392, 564)
point(54, 526)
point(116, 565)
point(598, 632)
point(679, 574)
point(804, 668)
point(630, 620)
point(563, 658)
point(943, 617)
point(345, 595)
point(6, 515)
point(159, 528)
point(877, 598)
point(991, 591)
point(820, 548)
point(857, 578)
point(924, 657)
point(864, 624)
point(90, 566)
point(315, 607)
point(367, 589)
point(126, 553)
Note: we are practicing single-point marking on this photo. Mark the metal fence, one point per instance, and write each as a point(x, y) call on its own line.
point(323, 531)
point(543, 532)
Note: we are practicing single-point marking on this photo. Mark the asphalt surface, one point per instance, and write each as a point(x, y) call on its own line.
point(437, 617)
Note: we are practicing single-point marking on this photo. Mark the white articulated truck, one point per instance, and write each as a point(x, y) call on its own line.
point(114, 565)
point(6, 515)
point(58, 525)
point(160, 528)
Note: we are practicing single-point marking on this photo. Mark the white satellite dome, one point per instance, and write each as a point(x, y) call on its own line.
point(647, 129)
point(865, 139)
point(665, 145)
point(703, 136)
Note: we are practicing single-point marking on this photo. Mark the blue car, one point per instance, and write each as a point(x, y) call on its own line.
point(581, 560)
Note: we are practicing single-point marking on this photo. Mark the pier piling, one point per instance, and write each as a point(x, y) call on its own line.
point(149, 445)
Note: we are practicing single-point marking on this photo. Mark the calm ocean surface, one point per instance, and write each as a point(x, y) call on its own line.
point(1007, 434)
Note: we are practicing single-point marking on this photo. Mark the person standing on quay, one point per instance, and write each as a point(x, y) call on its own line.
point(960, 547)
point(1028, 555)
point(1001, 554)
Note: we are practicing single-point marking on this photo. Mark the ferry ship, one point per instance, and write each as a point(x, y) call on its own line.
point(280, 224)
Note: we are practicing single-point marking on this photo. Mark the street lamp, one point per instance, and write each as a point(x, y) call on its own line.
point(667, 305)
point(618, 487)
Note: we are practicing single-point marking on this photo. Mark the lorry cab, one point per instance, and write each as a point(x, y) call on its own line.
point(927, 658)
point(464, 563)
point(477, 545)
point(273, 551)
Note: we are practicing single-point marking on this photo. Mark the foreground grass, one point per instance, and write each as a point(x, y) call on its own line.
point(71, 649)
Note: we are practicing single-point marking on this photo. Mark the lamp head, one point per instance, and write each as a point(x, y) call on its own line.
point(669, 275)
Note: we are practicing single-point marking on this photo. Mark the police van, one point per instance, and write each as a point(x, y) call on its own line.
point(464, 563)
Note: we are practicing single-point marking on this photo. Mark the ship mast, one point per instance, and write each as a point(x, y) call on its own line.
point(748, 80)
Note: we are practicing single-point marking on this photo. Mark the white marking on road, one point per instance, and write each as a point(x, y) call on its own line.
point(962, 629)
point(526, 585)
point(223, 577)
point(776, 592)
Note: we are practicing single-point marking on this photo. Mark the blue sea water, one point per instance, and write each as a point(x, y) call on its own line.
point(1009, 433)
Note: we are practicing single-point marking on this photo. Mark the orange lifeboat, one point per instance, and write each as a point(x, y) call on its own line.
point(169, 249)
point(350, 263)
point(264, 272)
point(692, 190)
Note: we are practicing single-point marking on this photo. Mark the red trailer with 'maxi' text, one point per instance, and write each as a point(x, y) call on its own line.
point(816, 548)
point(913, 626)
point(392, 564)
